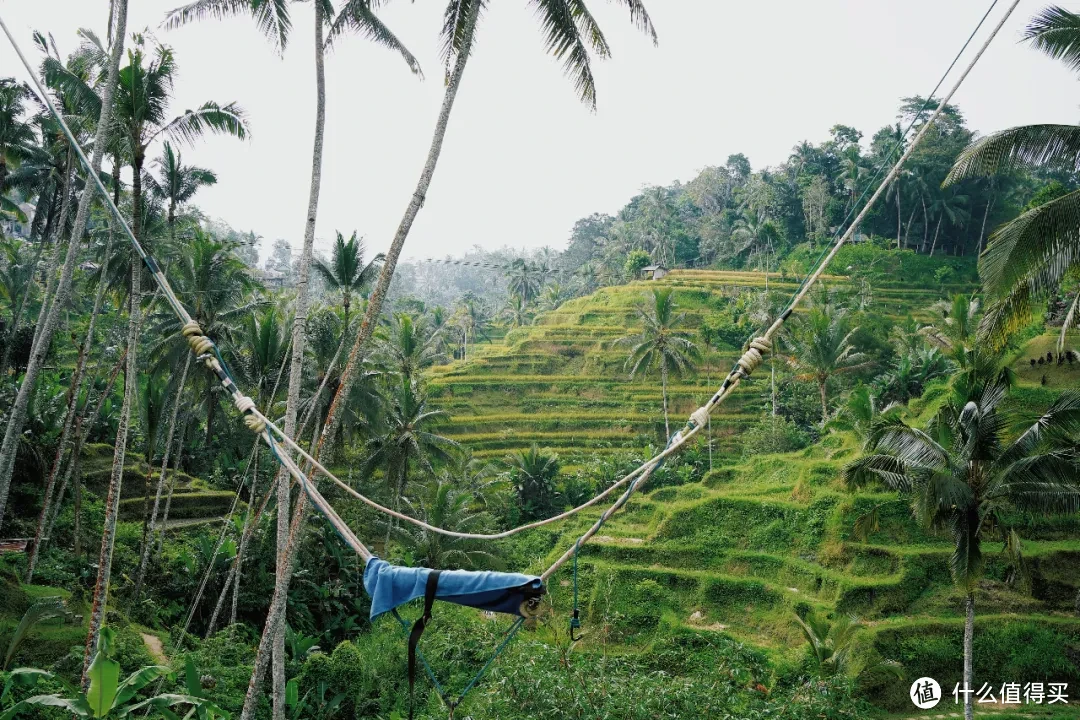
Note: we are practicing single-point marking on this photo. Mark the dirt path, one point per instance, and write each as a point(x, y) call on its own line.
point(155, 648)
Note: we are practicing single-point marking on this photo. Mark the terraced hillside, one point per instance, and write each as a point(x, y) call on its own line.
point(752, 544)
point(561, 383)
point(742, 550)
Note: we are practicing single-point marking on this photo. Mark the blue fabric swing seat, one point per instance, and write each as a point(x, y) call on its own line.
point(390, 586)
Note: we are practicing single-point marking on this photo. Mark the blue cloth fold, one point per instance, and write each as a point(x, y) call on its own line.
point(390, 586)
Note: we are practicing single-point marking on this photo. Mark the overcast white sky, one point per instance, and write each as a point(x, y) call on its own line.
point(523, 157)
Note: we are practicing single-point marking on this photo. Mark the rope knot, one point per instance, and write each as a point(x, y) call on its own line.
point(753, 355)
point(700, 416)
point(247, 406)
point(200, 344)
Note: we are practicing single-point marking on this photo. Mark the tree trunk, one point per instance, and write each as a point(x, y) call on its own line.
point(925, 226)
point(151, 524)
point(986, 214)
point(51, 278)
point(245, 535)
point(45, 522)
point(907, 233)
point(663, 393)
point(112, 504)
point(299, 341)
point(969, 638)
point(172, 483)
point(367, 326)
point(824, 401)
point(17, 418)
point(220, 601)
point(899, 218)
point(382, 285)
point(937, 230)
point(81, 436)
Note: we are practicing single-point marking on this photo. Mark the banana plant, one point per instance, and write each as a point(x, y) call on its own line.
point(107, 696)
point(43, 609)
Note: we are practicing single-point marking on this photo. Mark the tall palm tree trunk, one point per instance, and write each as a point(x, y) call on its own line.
point(274, 621)
point(899, 219)
point(73, 469)
point(663, 392)
point(982, 231)
point(824, 400)
point(151, 523)
point(17, 418)
point(382, 285)
point(937, 229)
point(245, 535)
point(969, 639)
point(112, 503)
point(367, 326)
point(52, 279)
point(46, 520)
point(172, 484)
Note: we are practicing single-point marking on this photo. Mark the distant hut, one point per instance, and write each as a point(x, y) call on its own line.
point(654, 272)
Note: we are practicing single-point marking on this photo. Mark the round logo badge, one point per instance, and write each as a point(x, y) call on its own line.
point(925, 693)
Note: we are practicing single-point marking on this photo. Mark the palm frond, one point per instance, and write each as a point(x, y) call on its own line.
point(640, 17)
point(1027, 258)
point(562, 39)
point(357, 17)
point(457, 19)
point(209, 117)
point(271, 16)
point(1056, 32)
point(1026, 146)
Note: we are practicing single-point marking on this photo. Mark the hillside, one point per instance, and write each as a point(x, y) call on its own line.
point(741, 550)
point(562, 383)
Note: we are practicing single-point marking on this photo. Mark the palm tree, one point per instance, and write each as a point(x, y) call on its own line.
point(1027, 258)
point(346, 272)
point(755, 232)
point(533, 473)
point(474, 319)
point(409, 440)
point(951, 205)
point(176, 183)
point(261, 347)
point(524, 280)
point(963, 476)
point(16, 135)
point(443, 505)
point(408, 349)
point(833, 646)
point(955, 331)
point(142, 104)
point(661, 343)
point(821, 346)
point(516, 312)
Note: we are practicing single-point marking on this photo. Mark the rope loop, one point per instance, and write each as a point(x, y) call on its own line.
point(753, 356)
point(200, 344)
point(246, 405)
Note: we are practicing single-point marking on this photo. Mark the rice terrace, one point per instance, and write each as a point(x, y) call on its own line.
point(791, 439)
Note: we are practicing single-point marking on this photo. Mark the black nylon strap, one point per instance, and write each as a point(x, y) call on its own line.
point(418, 630)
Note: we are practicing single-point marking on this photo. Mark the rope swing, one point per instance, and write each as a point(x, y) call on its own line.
point(206, 352)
